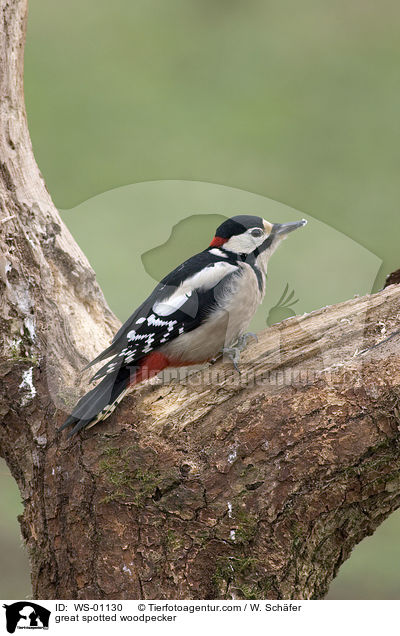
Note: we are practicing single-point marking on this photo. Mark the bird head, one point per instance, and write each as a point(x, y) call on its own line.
point(245, 234)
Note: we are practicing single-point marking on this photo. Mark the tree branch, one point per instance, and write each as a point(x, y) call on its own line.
point(214, 486)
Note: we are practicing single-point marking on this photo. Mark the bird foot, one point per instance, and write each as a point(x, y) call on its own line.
point(234, 352)
point(244, 339)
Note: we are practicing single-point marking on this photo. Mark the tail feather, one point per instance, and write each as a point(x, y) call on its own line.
point(100, 402)
point(109, 409)
point(107, 353)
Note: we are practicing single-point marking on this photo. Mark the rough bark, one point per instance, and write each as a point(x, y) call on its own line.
point(393, 278)
point(216, 486)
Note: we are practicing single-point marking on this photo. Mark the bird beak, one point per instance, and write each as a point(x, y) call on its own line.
point(285, 228)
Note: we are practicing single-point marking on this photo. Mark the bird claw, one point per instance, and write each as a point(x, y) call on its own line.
point(233, 353)
point(244, 339)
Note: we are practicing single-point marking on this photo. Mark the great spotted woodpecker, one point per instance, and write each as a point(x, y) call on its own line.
point(200, 309)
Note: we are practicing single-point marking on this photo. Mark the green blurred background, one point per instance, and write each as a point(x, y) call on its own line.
point(294, 101)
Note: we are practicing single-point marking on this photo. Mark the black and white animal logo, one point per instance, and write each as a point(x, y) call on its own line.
point(26, 615)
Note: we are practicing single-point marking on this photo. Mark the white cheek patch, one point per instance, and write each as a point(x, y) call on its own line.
point(244, 243)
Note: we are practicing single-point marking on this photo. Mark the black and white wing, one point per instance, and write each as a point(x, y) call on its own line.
point(178, 304)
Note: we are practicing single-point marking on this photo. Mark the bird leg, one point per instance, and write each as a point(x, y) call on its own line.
point(234, 352)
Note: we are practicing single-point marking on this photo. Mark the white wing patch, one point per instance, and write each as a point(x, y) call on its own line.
point(132, 336)
point(158, 322)
point(209, 276)
point(203, 280)
point(159, 327)
point(218, 252)
point(171, 304)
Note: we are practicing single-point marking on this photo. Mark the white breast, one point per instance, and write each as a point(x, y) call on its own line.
point(241, 302)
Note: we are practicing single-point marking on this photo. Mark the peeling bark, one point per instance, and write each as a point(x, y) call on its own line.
point(214, 486)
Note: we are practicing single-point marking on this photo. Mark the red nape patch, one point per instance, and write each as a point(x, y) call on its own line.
point(218, 241)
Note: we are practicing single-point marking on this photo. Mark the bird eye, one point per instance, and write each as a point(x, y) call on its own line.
point(256, 232)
